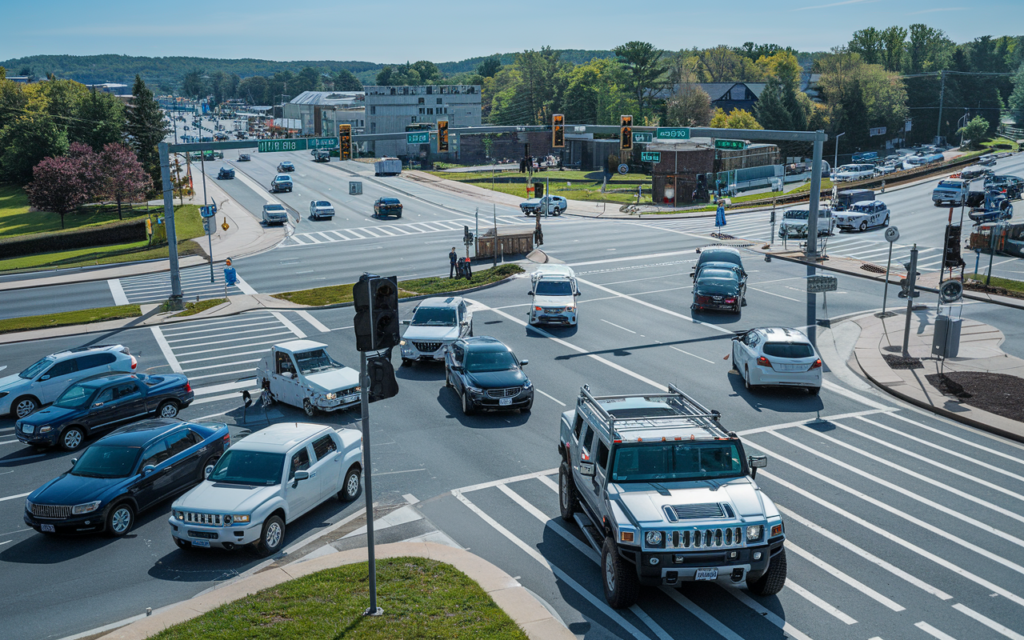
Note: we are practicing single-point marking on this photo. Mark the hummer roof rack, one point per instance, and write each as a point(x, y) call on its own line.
point(689, 414)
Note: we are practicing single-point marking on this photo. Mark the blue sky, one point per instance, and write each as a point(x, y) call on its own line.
point(399, 30)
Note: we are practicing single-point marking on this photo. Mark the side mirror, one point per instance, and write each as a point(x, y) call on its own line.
point(148, 469)
point(755, 463)
point(74, 461)
point(46, 377)
point(529, 293)
point(406, 322)
point(587, 469)
point(464, 323)
point(578, 293)
point(301, 475)
point(523, 363)
point(289, 375)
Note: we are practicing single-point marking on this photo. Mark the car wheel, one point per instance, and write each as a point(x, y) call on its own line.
point(406, 362)
point(308, 407)
point(353, 483)
point(568, 501)
point(71, 439)
point(210, 463)
point(120, 519)
point(24, 407)
point(467, 404)
point(814, 390)
point(746, 379)
point(271, 538)
point(773, 579)
point(168, 409)
point(886, 223)
point(864, 226)
point(621, 585)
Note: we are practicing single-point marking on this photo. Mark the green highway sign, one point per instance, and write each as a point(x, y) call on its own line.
point(673, 133)
point(650, 156)
point(418, 137)
point(643, 136)
point(734, 145)
point(288, 144)
point(321, 143)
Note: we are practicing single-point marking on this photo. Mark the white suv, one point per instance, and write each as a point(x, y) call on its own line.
point(23, 393)
point(777, 357)
point(265, 481)
point(435, 324)
point(554, 295)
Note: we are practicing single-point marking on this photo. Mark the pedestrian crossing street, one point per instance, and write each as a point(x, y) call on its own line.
point(897, 526)
point(870, 245)
point(398, 230)
point(195, 285)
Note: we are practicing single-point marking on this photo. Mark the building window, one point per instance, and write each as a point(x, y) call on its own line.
point(414, 118)
point(373, 127)
point(373, 111)
point(421, 101)
point(422, 110)
point(439, 101)
point(430, 90)
point(430, 112)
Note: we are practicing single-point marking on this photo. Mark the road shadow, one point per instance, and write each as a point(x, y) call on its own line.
point(30, 454)
point(452, 403)
point(628, 350)
point(421, 372)
point(778, 399)
point(719, 318)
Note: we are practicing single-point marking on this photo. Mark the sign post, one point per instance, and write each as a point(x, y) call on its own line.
point(892, 234)
point(911, 294)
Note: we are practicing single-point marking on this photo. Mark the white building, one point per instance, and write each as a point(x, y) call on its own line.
point(393, 109)
point(320, 112)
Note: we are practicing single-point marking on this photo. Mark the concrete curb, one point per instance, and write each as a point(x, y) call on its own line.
point(525, 610)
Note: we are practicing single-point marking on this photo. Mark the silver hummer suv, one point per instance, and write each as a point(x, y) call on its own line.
point(666, 495)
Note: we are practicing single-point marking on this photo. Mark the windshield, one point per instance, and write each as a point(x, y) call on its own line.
point(950, 185)
point(433, 317)
point(249, 467)
point(717, 274)
point(315, 361)
point(75, 397)
point(797, 215)
point(788, 349)
point(274, 207)
point(848, 167)
point(484, 361)
point(553, 288)
point(106, 461)
point(672, 462)
point(36, 368)
point(323, 203)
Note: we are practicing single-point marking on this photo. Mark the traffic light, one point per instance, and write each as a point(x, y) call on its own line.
point(375, 299)
point(442, 136)
point(626, 133)
point(382, 378)
point(467, 235)
point(344, 142)
point(558, 131)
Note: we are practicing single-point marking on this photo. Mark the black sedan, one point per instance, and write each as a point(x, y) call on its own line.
point(387, 207)
point(226, 173)
point(101, 403)
point(487, 375)
point(125, 473)
point(718, 288)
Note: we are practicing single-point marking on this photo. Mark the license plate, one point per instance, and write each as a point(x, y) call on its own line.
point(706, 574)
point(352, 398)
point(206, 543)
point(48, 528)
point(504, 402)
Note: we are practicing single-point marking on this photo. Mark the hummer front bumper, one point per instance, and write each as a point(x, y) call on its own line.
point(727, 565)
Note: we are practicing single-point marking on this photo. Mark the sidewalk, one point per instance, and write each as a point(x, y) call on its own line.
point(980, 357)
point(518, 603)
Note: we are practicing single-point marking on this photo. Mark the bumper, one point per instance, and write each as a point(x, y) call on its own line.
point(220, 537)
point(337, 404)
point(38, 440)
point(412, 353)
point(89, 523)
point(276, 220)
point(566, 318)
point(485, 403)
point(673, 567)
point(770, 377)
point(716, 306)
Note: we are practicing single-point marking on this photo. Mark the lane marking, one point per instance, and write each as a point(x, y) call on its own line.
point(228, 386)
point(777, 295)
point(849, 393)
point(991, 624)
point(644, 257)
point(308, 317)
point(549, 397)
point(288, 323)
point(230, 355)
point(228, 331)
point(165, 348)
point(821, 604)
point(239, 372)
point(691, 354)
point(850, 580)
point(656, 307)
point(219, 366)
point(495, 483)
point(617, 326)
point(988, 450)
point(20, 495)
point(770, 616)
point(799, 423)
point(263, 320)
point(391, 473)
point(933, 632)
point(117, 292)
point(249, 386)
point(251, 344)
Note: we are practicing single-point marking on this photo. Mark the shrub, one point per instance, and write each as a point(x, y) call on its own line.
point(113, 233)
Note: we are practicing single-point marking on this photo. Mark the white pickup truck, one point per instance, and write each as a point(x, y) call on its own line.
point(951, 190)
point(302, 374)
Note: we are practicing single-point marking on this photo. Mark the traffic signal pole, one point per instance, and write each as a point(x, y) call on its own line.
point(364, 409)
point(172, 237)
point(911, 287)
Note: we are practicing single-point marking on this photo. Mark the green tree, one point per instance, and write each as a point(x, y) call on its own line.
point(975, 131)
point(489, 67)
point(345, 80)
point(220, 86)
point(736, 119)
point(1016, 99)
point(146, 128)
point(306, 80)
point(929, 49)
point(254, 90)
point(646, 69)
point(894, 48)
point(869, 43)
point(25, 141)
point(690, 106)
point(771, 108)
point(100, 120)
point(193, 84)
point(12, 100)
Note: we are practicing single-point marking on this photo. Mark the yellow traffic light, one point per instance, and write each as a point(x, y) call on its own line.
point(442, 136)
point(626, 133)
point(344, 142)
point(558, 131)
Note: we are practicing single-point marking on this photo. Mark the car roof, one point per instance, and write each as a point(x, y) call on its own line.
point(100, 379)
point(300, 345)
point(272, 205)
point(782, 334)
point(865, 203)
point(440, 303)
point(554, 269)
point(281, 436)
point(140, 434)
point(322, 202)
point(282, 177)
point(77, 351)
point(719, 249)
point(388, 199)
point(485, 343)
point(286, 162)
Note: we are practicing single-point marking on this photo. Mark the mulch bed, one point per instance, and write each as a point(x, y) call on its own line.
point(996, 393)
point(899, 362)
point(977, 285)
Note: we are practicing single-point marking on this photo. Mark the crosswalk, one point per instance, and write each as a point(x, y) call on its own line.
point(897, 527)
point(384, 231)
point(156, 287)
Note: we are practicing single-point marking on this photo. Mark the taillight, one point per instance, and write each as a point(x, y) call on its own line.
point(730, 301)
point(816, 365)
point(188, 386)
point(763, 361)
point(135, 363)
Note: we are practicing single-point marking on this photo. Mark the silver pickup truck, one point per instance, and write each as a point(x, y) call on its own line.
point(666, 495)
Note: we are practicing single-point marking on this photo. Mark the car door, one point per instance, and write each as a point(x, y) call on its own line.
point(183, 450)
point(302, 495)
point(457, 355)
point(327, 465)
point(281, 385)
point(157, 484)
point(600, 470)
point(129, 402)
point(56, 379)
point(583, 456)
point(102, 410)
point(465, 315)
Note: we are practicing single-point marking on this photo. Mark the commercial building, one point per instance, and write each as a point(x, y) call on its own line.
point(320, 112)
point(394, 109)
point(676, 173)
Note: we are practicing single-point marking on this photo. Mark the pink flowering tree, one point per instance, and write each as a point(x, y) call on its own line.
point(57, 186)
point(121, 175)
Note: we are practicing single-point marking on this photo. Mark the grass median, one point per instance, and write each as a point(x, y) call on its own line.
point(67, 318)
point(192, 308)
point(342, 293)
point(1016, 286)
point(421, 598)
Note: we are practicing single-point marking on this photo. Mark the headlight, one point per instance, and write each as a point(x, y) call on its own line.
point(331, 396)
point(237, 519)
point(754, 533)
point(653, 538)
point(402, 343)
point(527, 384)
point(88, 507)
point(28, 505)
point(473, 389)
point(45, 428)
point(180, 515)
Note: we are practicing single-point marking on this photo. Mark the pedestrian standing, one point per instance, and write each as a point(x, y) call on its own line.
point(453, 259)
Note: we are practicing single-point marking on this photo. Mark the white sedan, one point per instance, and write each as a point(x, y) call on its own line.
point(862, 215)
point(320, 209)
point(777, 356)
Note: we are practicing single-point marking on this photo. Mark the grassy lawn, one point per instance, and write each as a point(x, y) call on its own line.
point(16, 220)
point(421, 598)
point(192, 308)
point(342, 293)
point(1003, 283)
point(69, 318)
point(585, 185)
point(994, 141)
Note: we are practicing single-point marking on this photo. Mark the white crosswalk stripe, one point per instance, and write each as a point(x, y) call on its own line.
point(408, 228)
point(195, 284)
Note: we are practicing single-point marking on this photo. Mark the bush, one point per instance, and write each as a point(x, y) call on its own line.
point(113, 233)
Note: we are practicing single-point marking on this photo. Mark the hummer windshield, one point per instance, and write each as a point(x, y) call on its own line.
point(676, 462)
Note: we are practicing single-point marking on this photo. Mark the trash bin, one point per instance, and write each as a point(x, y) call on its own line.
point(946, 341)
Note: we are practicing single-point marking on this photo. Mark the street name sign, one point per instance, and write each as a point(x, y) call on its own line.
point(321, 143)
point(418, 137)
point(733, 145)
point(207, 212)
point(650, 156)
point(296, 144)
point(822, 284)
point(892, 234)
point(643, 136)
point(673, 133)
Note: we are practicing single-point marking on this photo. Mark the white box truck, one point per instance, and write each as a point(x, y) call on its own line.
point(387, 167)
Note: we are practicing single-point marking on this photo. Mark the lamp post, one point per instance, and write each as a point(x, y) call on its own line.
point(960, 128)
point(835, 160)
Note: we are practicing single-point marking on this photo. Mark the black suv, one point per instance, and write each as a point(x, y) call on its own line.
point(487, 375)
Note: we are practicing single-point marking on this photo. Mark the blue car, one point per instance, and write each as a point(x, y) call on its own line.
point(125, 473)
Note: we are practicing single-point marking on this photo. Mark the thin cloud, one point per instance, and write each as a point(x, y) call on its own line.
point(936, 10)
point(836, 4)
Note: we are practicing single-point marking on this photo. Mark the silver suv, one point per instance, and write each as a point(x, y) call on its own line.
point(435, 324)
point(666, 495)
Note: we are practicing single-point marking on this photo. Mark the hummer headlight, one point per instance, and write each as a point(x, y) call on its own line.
point(653, 538)
point(754, 532)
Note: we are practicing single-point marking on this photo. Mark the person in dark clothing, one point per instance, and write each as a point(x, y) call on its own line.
point(453, 259)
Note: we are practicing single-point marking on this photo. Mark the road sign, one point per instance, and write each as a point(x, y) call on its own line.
point(876, 131)
point(418, 137)
point(207, 212)
point(287, 144)
point(892, 234)
point(650, 156)
point(951, 291)
point(822, 284)
point(623, 169)
point(643, 136)
point(673, 133)
point(733, 145)
point(321, 143)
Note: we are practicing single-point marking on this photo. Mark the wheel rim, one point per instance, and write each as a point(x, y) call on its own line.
point(121, 520)
point(564, 491)
point(72, 438)
point(609, 573)
point(169, 411)
point(352, 486)
point(863, 226)
point(308, 407)
point(25, 408)
point(273, 537)
point(746, 378)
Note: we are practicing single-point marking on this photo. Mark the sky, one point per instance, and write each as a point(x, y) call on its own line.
point(400, 30)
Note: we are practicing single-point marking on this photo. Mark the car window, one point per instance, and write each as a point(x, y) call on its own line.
point(106, 395)
point(579, 426)
point(602, 454)
point(74, 397)
point(300, 462)
point(95, 360)
point(284, 363)
point(155, 454)
point(126, 390)
point(178, 442)
point(67, 367)
point(324, 446)
point(434, 317)
point(36, 368)
point(788, 349)
point(484, 361)
point(588, 439)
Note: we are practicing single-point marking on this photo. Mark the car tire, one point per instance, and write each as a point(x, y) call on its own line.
point(210, 462)
point(886, 223)
point(621, 585)
point(120, 519)
point(353, 484)
point(467, 404)
point(814, 390)
point(864, 226)
point(168, 409)
point(746, 379)
point(568, 501)
point(406, 362)
point(24, 406)
point(308, 407)
point(271, 537)
point(72, 438)
point(773, 579)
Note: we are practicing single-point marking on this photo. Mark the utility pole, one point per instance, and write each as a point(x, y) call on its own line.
point(835, 160)
point(172, 237)
point(812, 218)
point(942, 94)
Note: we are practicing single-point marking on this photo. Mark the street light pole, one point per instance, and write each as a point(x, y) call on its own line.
point(835, 160)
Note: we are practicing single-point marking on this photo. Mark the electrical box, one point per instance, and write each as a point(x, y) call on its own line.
point(355, 188)
point(946, 341)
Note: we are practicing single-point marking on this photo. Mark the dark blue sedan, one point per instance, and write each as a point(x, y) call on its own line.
point(101, 403)
point(123, 474)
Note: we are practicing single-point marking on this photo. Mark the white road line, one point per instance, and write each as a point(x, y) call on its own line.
point(770, 616)
point(243, 286)
point(10, 442)
point(818, 602)
point(549, 397)
point(250, 386)
point(198, 340)
point(289, 324)
point(358, 235)
point(617, 326)
point(117, 291)
point(986, 448)
point(250, 344)
point(634, 258)
point(199, 324)
point(933, 632)
point(847, 392)
point(228, 386)
point(238, 373)
point(391, 473)
point(369, 231)
point(655, 307)
point(220, 366)
point(252, 184)
point(691, 354)
point(700, 614)
point(20, 495)
point(777, 295)
point(798, 423)
point(549, 483)
point(229, 355)
point(339, 234)
point(494, 483)
point(308, 317)
point(166, 349)
point(239, 324)
point(325, 236)
point(853, 582)
point(991, 624)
